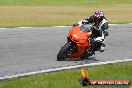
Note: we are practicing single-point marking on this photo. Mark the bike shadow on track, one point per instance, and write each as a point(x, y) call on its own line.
point(93, 59)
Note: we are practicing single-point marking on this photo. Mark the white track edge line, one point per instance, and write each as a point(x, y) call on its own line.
point(55, 26)
point(24, 27)
point(2, 28)
point(63, 68)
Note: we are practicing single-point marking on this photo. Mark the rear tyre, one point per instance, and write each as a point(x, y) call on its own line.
point(63, 53)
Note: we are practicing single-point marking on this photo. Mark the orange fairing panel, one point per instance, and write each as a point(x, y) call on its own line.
point(81, 39)
point(78, 36)
point(75, 31)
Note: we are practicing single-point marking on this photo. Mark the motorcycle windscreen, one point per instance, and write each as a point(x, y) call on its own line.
point(85, 28)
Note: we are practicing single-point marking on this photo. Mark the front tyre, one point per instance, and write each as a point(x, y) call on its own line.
point(63, 53)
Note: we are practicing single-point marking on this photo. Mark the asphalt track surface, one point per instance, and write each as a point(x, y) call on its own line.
point(25, 50)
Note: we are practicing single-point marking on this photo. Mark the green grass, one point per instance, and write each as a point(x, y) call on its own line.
point(63, 2)
point(15, 16)
point(69, 78)
point(15, 13)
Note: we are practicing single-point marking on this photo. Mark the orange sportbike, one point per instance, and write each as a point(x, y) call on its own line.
point(78, 43)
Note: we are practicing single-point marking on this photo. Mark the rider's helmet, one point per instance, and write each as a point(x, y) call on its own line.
point(98, 16)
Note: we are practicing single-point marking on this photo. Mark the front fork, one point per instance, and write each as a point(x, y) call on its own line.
point(73, 46)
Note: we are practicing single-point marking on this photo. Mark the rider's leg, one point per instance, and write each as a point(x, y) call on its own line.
point(102, 41)
point(104, 27)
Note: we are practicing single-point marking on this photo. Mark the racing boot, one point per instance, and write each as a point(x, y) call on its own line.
point(102, 48)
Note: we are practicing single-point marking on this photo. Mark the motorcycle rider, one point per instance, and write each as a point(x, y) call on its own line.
point(99, 27)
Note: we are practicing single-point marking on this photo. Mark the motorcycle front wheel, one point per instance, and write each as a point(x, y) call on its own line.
point(63, 53)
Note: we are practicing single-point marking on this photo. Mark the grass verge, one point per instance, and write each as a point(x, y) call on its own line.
point(14, 16)
point(63, 2)
point(69, 78)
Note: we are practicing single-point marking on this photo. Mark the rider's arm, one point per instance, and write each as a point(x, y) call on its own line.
point(86, 21)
